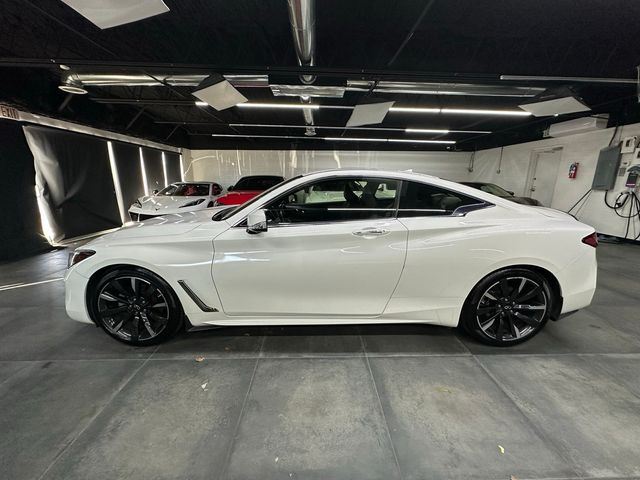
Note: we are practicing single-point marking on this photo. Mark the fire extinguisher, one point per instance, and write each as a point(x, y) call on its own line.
point(573, 169)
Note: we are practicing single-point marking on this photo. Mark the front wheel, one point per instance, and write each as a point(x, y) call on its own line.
point(507, 307)
point(135, 306)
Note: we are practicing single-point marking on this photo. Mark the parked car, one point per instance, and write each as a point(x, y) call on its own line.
point(247, 188)
point(494, 189)
point(178, 197)
point(383, 247)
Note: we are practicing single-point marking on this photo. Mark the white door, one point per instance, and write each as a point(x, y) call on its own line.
point(341, 254)
point(543, 173)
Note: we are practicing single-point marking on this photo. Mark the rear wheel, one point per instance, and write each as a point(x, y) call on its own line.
point(508, 307)
point(135, 306)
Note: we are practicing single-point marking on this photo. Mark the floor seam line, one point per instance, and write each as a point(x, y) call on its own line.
point(93, 418)
point(546, 439)
point(227, 459)
point(384, 417)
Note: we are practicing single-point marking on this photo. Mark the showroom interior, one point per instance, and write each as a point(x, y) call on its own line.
point(106, 105)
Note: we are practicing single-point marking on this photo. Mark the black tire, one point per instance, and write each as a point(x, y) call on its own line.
point(135, 306)
point(494, 312)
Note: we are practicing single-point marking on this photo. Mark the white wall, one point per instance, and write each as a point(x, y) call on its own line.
point(226, 166)
point(583, 148)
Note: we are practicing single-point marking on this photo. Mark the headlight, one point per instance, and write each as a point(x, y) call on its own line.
point(77, 256)
point(136, 204)
point(192, 204)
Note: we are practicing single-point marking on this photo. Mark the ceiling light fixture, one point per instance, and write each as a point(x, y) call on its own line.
point(400, 140)
point(335, 139)
point(200, 103)
point(426, 130)
point(294, 106)
point(461, 111)
point(381, 129)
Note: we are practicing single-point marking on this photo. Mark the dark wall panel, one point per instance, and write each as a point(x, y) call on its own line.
point(173, 167)
point(127, 158)
point(20, 228)
point(74, 174)
point(153, 167)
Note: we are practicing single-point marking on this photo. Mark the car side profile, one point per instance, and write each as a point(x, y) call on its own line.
point(179, 197)
point(340, 247)
point(248, 187)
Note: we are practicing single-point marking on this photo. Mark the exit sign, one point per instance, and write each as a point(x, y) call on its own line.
point(9, 112)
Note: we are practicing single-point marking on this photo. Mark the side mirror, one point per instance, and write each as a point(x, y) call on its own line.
point(230, 188)
point(155, 192)
point(257, 222)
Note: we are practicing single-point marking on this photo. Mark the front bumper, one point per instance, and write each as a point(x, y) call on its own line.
point(75, 292)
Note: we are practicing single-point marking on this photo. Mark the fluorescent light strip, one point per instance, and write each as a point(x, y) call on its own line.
point(181, 169)
point(116, 182)
point(336, 139)
point(353, 139)
point(144, 173)
point(164, 170)
point(200, 103)
point(385, 129)
point(396, 140)
point(295, 106)
point(461, 111)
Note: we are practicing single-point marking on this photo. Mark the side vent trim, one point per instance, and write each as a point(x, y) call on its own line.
point(201, 305)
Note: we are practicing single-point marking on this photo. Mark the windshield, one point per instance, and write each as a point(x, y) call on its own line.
point(257, 183)
point(185, 190)
point(228, 212)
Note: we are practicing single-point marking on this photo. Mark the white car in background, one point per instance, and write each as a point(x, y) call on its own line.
point(340, 247)
point(179, 197)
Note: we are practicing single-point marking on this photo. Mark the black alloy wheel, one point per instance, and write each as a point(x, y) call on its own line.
point(508, 307)
point(135, 307)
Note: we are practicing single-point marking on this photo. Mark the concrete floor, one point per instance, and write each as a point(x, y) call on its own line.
point(381, 402)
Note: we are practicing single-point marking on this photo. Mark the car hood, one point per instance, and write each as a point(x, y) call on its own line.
point(553, 213)
point(165, 225)
point(158, 204)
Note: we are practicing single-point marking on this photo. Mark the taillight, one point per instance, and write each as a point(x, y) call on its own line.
point(591, 240)
point(78, 256)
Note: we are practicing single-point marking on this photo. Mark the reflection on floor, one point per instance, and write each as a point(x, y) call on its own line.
point(412, 402)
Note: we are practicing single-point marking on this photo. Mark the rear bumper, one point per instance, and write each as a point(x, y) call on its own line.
point(578, 282)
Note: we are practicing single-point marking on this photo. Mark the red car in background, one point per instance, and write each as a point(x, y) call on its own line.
point(247, 188)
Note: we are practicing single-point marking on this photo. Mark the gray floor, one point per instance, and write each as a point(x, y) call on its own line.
point(383, 402)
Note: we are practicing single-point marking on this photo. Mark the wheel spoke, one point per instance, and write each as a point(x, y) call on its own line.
point(135, 330)
point(504, 287)
point(134, 285)
point(529, 295)
point(512, 326)
point(517, 291)
point(147, 325)
point(107, 296)
point(482, 310)
point(500, 328)
point(113, 311)
point(526, 319)
point(118, 286)
point(157, 318)
point(529, 307)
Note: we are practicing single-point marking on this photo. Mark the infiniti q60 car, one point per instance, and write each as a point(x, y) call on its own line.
point(340, 247)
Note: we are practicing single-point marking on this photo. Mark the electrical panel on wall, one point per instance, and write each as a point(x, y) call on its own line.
point(629, 144)
point(607, 168)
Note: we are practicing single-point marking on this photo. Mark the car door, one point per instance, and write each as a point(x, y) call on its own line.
point(340, 253)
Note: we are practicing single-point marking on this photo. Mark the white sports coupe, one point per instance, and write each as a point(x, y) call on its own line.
point(178, 197)
point(375, 247)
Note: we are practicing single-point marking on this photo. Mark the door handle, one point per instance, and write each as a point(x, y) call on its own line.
point(365, 232)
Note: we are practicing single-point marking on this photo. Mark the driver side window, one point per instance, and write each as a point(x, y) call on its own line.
point(335, 200)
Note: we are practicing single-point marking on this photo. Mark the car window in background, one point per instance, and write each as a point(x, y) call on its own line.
point(423, 200)
point(257, 183)
point(494, 190)
point(336, 200)
point(186, 190)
